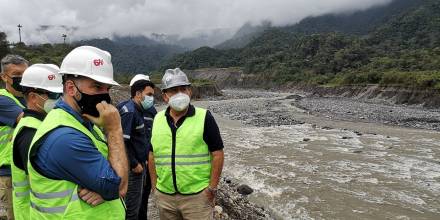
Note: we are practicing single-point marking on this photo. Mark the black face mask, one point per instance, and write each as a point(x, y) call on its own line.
point(16, 84)
point(88, 103)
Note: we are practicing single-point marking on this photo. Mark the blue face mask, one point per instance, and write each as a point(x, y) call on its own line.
point(147, 102)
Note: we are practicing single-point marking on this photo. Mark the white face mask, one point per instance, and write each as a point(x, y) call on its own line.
point(179, 101)
point(49, 104)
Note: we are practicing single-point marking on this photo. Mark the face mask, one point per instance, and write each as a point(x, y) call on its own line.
point(16, 84)
point(49, 104)
point(179, 102)
point(87, 103)
point(147, 102)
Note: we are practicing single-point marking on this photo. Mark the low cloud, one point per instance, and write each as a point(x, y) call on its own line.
point(46, 20)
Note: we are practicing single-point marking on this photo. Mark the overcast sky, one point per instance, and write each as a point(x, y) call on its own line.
point(46, 20)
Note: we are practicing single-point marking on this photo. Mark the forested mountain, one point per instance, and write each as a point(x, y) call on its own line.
point(403, 50)
point(135, 57)
point(355, 23)
point(244, 35)
point(139, 56)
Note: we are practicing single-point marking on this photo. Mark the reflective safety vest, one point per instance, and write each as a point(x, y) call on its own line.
point(182, 159)
point(6, 134)
point(20, 182)
point(58, 199)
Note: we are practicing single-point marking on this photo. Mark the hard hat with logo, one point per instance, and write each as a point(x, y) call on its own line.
point(90, 62)
point(43, 76)
point(139, 77)
point(173, 78)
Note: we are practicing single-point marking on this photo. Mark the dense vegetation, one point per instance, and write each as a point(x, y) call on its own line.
point(4, 49)
point(134, 57)
point(128, 59)
point(404, 50)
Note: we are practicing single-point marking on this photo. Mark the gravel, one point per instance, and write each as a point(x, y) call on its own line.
point(358, 110)
point(262, 109)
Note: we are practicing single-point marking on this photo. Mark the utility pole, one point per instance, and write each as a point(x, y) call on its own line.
point(19, 31)
point(64, 38)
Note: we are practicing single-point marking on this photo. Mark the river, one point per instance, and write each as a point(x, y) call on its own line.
point(323, 168)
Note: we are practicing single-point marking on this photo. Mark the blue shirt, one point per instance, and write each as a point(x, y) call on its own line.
point(136, 126)
point(9, 111)
point(67, 154)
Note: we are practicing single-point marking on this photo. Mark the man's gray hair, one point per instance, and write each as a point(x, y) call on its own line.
point(12, 59)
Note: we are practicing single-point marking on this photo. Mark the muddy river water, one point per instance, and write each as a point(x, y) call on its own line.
point(328, 169)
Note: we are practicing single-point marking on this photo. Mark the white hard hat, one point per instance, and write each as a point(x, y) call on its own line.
point(43, 76)
point(90, 62)
point(139, 77)
point(173, 78)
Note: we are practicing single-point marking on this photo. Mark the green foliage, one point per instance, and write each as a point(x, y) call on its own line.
point(133, 58)
point(4, 48)
point(44, 53)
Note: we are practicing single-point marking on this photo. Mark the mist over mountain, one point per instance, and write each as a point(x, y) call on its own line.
point(355, 22)
point(403, 48)
point(45, 21)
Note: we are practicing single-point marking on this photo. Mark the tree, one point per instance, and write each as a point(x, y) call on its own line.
point(4, 48)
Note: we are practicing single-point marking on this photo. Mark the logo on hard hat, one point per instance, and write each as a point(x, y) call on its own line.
point(98, 62)
point(51, 77)
point(168, 79)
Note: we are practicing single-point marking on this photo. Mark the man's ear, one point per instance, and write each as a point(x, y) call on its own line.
point(70, 88)
point(190, 92)
point(165, 97)
point(3, 76)
point(30, 97)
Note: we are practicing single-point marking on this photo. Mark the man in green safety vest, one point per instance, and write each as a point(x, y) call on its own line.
point(77, 161)
point(186, 159)
point(41, 86)
point(11, 111)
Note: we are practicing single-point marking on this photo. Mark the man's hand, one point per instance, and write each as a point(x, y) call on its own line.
point(138, 169)
point(108, 119)
point(90, 197)
point(211, 196)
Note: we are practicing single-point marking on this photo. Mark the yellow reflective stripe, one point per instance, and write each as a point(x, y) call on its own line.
point(74, 197)
point(59, 209)
point(21, 184)
point(183, 163)
point(22, 194)
point(53, 195)
point(183, 156)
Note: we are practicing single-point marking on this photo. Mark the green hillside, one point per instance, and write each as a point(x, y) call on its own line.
point(404, 50)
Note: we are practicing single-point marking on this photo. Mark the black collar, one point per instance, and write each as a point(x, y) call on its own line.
point(32, 113)
point(191, 111)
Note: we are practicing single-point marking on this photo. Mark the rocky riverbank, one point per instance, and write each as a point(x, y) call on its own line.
point(233, 78)
point(273, 109)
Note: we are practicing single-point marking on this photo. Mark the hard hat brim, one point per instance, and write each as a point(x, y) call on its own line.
point(100, 79)
point(176, 85)
point(50, 89)
point(55, 89)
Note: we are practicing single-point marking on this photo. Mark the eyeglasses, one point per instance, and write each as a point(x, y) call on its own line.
point(50, 95)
